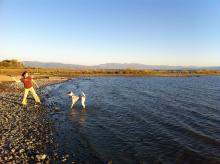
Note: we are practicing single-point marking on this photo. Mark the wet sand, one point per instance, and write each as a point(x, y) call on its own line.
point(26, 133)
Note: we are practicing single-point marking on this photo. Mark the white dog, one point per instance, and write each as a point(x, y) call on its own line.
point(75, 98)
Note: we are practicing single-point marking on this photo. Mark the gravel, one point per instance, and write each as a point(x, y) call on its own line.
point(26, 133)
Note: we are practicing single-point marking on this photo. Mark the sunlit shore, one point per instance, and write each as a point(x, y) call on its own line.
point(30, 139)
point(68, 73)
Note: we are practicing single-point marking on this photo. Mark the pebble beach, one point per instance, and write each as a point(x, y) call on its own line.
point(26, 133)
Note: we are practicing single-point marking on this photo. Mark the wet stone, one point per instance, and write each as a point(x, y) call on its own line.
point(41, 157)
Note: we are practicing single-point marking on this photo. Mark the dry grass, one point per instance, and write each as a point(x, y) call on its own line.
point(43, 72)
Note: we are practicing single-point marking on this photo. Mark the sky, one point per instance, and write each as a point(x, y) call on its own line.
point(90, 32)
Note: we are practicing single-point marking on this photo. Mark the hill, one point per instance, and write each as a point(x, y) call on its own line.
point(114, 66)
point(50, 65)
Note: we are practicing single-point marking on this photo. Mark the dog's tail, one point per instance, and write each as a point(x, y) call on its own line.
point(83, 94)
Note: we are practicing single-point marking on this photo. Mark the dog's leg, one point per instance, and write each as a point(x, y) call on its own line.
point(72, 105)
point(83, 102)
point(74, 100)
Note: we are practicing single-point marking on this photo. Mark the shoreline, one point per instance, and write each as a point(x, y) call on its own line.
point(70, 73)
point(26, 133)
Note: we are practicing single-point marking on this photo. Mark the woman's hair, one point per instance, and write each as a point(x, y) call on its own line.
point(23, 73)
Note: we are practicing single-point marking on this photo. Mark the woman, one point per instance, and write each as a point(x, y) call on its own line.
point(27, 81)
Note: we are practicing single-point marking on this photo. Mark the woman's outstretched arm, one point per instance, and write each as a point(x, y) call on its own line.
point(16, 80)
point(35, 83)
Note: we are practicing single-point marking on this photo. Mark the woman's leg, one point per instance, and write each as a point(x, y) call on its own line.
point(24, 101)
point(36, 98)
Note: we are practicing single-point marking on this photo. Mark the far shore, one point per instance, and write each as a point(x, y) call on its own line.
point(57, 74)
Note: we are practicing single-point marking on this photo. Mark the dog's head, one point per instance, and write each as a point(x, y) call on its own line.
point(70, 93)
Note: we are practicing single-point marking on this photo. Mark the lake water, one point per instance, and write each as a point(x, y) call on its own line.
point(139, 119)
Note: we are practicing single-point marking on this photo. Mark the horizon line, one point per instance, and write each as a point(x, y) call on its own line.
point(90, 65)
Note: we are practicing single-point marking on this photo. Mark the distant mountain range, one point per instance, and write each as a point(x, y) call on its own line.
point(114, 66)
point(51, 65)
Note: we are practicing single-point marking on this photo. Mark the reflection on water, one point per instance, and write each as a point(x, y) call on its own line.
point(140, 120)
point(78, 115)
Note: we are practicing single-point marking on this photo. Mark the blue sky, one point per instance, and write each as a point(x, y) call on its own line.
point(154, 32)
